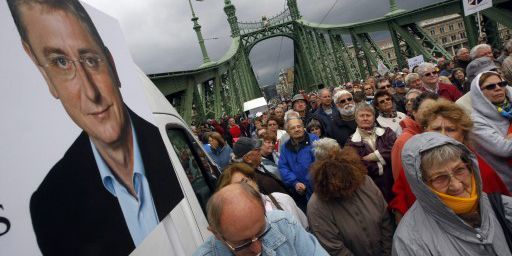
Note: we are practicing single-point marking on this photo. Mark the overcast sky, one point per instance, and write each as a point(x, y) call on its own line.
point(161, 38)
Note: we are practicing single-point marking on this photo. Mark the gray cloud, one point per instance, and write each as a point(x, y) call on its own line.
point(161, 39)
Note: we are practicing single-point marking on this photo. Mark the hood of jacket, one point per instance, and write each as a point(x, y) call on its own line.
point(410, 126)
point(482, 106)
point(429, 202)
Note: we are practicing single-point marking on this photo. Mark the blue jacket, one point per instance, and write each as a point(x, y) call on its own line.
point(325, 119)
point(285, 237)
point(294, 165)
point(221, 156)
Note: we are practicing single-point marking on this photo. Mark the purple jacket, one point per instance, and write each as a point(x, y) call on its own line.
point(379, 171)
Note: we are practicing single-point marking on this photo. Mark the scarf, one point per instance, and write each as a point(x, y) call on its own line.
point(391, 114)
point(460, 205)
point(505, 109)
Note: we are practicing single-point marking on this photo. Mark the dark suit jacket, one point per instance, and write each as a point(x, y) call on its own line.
point(72, 212)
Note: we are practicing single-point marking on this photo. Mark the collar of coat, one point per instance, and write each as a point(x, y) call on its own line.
point(300, 145)
point(357, 137)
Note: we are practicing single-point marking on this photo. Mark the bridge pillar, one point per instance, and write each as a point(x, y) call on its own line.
point(186, 109)
point(400, 58)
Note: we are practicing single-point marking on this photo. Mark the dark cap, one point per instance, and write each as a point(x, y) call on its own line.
point(298, 97)
point(244, 145)
point(398, 84)
point(478, 66)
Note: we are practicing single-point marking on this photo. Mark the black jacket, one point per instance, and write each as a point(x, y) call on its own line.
point(72, 212)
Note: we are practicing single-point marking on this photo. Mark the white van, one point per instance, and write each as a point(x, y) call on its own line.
point(37, 132)
point(186, 227)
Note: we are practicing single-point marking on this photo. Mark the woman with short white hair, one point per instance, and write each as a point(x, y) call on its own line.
point(374, 144)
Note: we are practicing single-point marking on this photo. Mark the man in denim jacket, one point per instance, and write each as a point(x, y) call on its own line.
point(236, 217)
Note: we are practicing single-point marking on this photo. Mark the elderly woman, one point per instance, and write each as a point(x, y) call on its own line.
point(220, 150)
point(347, 212)
point(240, 172)
point(492, 114)
point(388, 116)
point(451, 215)
point(447, 118)
point(374, 145)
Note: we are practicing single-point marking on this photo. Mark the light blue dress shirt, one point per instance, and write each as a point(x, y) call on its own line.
point(139, 213)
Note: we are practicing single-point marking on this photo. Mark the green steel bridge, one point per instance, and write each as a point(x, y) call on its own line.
point(321, 56)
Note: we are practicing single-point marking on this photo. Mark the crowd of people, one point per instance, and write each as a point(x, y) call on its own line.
point(417, 162)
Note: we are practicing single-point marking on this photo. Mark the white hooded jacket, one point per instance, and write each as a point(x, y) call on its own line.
point(490, 131)
point(430, 227)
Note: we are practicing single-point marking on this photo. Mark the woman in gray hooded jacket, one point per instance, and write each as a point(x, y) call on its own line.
point(492, 116)
point(451, 215)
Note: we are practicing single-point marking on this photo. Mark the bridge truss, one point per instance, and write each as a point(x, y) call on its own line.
point(324, 54)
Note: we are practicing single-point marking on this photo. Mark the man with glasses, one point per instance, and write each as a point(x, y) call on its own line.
point(236, 217)
point(113, 185)
point(430, 82)
point(295, 158)
point(344, 123)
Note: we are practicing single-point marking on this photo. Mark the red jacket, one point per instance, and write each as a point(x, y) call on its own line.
point(447, 91)
point(409, 129)
point(404, 198)
point(235, 131)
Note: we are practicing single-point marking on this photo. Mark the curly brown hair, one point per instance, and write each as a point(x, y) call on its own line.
point(338, 177)
point(450, 111)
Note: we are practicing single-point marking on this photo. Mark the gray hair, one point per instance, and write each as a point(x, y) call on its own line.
point(506, 68)
point(411, 77)
point(439, 156)
point(324, 90)
point(424, 67)
point(363, 106)
point(459, 51)
point(324, 147)
point(474, 51)
point(339, 94)
point(216, 203)
point(411, 91)
point(290, 115)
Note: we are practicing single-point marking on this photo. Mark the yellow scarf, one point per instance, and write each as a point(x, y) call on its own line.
point(460, 205)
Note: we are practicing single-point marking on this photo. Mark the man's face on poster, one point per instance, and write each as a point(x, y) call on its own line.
point(76, 70)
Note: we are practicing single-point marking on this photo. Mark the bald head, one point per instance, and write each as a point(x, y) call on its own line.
point(232, 204)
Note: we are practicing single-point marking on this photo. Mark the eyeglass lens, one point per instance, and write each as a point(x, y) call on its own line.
point(493, 86)
point(343, 101)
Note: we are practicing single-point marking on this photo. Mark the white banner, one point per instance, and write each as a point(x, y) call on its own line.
point(474, 6)
point(381, 68)
point(415, 61)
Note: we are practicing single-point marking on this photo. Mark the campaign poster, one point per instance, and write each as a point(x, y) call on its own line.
point(78, 143)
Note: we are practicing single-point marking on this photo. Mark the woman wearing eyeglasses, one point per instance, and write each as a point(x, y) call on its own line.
point(374, 144)
point(388, 116)
point(451, 216)
point(449, 119)
point(492, 114)
point(240, 172)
